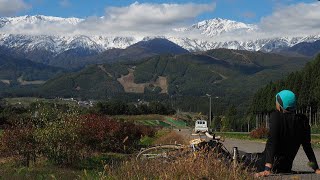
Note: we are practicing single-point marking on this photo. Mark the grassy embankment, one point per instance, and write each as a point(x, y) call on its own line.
point(237, 135)
point(154, 120)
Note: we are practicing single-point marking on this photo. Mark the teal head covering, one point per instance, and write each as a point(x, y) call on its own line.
point(287, 100)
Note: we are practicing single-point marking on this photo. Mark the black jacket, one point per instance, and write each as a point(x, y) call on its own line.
point(287, 132)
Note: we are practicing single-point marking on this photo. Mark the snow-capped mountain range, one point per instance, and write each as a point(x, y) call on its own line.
point(211, 29)
point(218, 26)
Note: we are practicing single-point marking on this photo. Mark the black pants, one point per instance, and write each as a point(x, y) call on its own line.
point(257, 161)
point(254, 161)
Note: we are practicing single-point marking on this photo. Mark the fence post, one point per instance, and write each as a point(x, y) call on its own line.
point(267, 121)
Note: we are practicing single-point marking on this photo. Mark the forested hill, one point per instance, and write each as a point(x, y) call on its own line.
point(13, 70)
point(232, 76)
point(305, 83)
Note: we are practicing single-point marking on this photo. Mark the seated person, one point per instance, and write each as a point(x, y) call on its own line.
point(287, 132)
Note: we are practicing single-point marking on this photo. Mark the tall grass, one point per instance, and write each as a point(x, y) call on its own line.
point(171, 137)
point(187, 165)
point(163, 136)
point(200, 165)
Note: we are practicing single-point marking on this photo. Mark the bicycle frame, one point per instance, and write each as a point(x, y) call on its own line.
point(162, 151)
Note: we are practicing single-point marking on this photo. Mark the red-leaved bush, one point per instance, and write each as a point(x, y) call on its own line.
point(101, 133)
point(71, 138)
point(20, 142)
point(259, 133)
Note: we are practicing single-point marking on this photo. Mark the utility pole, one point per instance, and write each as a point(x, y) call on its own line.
point(208, 95)
point(210, 112)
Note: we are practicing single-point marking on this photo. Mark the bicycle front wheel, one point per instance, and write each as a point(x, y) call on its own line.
point(166, 152)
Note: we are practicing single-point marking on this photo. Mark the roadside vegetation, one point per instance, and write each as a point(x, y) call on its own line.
point(56, 135)
point(57, 141)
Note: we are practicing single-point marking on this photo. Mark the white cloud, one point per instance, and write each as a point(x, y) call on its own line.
point(299, 19)
point(295, 20)
point(144, 19)
point(155, 14)
point(12, 7)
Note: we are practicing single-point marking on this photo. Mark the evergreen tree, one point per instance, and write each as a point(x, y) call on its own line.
point(305, 84)
point(229, 122)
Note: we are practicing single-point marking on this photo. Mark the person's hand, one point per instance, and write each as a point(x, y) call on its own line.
point(262, 174)
point(317, 171)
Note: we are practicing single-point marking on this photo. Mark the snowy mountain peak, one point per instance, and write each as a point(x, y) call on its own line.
point(219, 26)
point(211, 29)
point(11, 21)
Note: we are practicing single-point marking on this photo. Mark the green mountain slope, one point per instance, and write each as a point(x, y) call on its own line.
point(95, 81)
point(231, 75)
point(24, 71)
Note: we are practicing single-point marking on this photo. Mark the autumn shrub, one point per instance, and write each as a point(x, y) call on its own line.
point(60, 142)
point(56, 131)
point(48, 132)
point(66, 137)
point(20, 141)
point(259, 133)
point(104, 134)
point(44, 114)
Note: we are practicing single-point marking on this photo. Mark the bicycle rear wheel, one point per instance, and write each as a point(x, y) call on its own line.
point(166, 152)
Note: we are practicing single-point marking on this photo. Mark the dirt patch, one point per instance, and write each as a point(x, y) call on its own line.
point(104, 70)
point(23, 82)
point(245, 58)
point(222, 76)
point(130, 86)
point(128, 83)
point(163, 84)
point(5, 81)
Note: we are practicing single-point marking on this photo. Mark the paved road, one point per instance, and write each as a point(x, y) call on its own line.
point(299, 164)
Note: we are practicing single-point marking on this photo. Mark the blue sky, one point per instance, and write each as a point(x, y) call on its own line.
point(249, 11)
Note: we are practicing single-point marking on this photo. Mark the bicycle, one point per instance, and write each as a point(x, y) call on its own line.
point(170, 152)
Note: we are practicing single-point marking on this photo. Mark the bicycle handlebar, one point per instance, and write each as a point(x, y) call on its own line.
point(212, 137)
